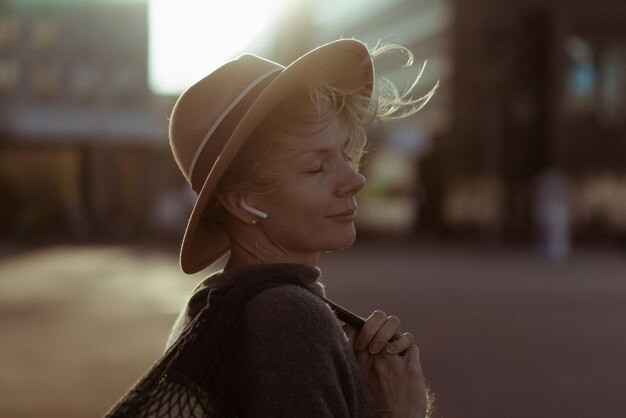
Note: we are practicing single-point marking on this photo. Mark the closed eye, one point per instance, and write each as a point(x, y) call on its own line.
point(317, 170)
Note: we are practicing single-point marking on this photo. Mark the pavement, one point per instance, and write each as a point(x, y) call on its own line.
point(502, 333)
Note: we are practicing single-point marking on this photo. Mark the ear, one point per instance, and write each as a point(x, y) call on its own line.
point(230, 201)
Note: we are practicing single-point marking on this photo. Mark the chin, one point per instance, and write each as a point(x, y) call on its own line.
point(342, 243)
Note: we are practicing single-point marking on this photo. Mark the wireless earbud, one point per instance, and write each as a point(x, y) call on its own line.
point(243, 205)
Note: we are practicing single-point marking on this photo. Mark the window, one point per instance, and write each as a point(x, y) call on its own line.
point(9, 76)
point(125, 84)
point(84, 81)
point(613, 83)
point(9, 32)
point(45, 35)
point(582, 75)
point(596, 78)
point(46, 80)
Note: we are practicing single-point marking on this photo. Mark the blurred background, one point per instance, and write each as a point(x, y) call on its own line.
point(493, 222)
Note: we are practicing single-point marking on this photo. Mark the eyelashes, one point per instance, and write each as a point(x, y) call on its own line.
point(321, 166)
point(320, 169)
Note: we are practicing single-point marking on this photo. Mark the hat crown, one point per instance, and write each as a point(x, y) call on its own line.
point(207, 113)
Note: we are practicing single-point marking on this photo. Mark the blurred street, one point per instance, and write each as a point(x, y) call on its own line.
point(523, 142)
point(502, 333)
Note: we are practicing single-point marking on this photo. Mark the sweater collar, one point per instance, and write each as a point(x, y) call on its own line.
point(307, 274)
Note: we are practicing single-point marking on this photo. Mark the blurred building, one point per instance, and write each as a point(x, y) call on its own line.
point(540, 85)
point(83, 143)
point(528, 89)
point(532, 88)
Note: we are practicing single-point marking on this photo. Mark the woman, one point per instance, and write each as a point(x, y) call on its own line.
point(273, 154)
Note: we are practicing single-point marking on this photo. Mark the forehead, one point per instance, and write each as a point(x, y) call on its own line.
point(318, 137)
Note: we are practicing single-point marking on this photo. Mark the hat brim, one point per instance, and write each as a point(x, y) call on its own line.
point(201, 246)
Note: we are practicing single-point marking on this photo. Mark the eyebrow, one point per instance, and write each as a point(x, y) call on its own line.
point(319, 151)
point(325, 150)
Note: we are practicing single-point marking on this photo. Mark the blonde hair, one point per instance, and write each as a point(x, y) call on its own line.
point(311, 106)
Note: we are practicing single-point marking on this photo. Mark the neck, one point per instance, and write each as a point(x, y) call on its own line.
point(258, 249)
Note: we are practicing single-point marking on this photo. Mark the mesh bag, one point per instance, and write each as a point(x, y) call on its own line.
point(194, 376)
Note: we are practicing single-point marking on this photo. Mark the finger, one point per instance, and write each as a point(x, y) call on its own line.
point(370, 328)
point(412, 357)
point(389, 329)
point(364, 358)
point(400, 344)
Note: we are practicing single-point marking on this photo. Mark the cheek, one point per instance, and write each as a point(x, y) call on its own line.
point(300, 206)
point(304, 208)
point(306, 195)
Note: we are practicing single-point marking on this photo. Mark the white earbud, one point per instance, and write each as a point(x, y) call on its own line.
point(243, 205)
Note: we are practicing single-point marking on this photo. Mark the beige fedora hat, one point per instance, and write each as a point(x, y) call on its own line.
point(214, 118)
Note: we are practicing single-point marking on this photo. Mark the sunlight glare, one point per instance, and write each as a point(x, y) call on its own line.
point(191, 38)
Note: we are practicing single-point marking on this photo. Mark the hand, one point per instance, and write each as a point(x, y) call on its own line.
point(381, 332)
point(390, 364)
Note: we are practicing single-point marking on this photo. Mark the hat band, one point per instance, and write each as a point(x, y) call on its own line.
point(225, 113)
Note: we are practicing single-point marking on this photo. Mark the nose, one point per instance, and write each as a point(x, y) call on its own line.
point(351, 184)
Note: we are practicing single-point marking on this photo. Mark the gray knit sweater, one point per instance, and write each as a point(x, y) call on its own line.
point(295, 360)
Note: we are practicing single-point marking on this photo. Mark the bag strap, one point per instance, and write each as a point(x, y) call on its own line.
point(345, 315)
point(340, 312)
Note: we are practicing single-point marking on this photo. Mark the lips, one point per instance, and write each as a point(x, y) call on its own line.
point(350, 213)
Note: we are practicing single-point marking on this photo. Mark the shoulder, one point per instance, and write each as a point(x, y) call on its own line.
point(295, 358)
point(289, 331)
point(290, 309)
